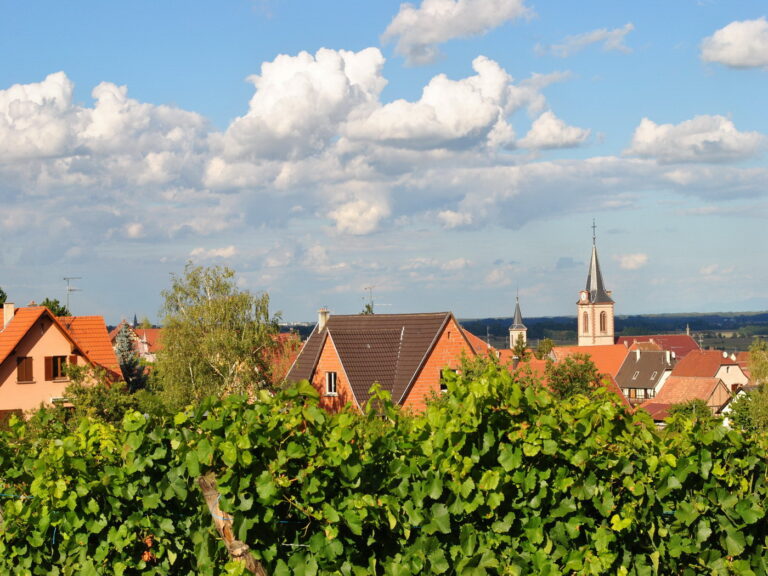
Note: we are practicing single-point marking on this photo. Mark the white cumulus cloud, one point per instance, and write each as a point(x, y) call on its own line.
point(360, 215)
point(611, 40)
point(701, 139)
point(549, 131)
point(213, 253)
point(419, 30)
point(453, 113)
point(741, 44)
point(632, 261)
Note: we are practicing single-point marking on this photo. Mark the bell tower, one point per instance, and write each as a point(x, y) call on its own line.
point(595, 306)
point(517, 329)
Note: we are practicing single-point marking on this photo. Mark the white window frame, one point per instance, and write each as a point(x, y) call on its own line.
point(331, 384)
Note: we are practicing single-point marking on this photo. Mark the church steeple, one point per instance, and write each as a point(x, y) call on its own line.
point(595, 306)
point(518, 328)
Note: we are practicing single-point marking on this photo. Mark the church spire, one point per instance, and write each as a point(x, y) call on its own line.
point(517, 321)
point(597, 292)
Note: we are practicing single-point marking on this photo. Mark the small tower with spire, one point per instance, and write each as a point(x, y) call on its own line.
point(595, 306)
point(517, 329)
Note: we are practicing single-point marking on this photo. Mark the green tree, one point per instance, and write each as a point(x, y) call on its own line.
point(216, 338)
point(145, 322)
point(749, 411)
point(544, 348)
point(3, 296)
point(56, 307)
point(575, 374)
point(134, 372)
point(519, 349)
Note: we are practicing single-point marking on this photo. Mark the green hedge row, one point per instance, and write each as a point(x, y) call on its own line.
point(496, 477)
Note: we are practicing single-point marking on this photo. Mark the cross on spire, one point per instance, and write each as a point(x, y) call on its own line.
point(594, 227)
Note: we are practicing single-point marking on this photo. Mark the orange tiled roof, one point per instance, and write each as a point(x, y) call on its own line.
point(91, 336)
point(608, 358)
point(18, 327)
point(701, 363)
point(479, 345)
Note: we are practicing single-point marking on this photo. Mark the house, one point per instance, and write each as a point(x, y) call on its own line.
point(712, 364)
point(679, 344)
point(36, 346)
point(644, 372)
point(608, 358)
point(146, 341)
point(405, 353)
point(681, 389)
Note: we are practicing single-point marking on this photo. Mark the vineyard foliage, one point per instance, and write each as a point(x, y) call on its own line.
point(496, 477)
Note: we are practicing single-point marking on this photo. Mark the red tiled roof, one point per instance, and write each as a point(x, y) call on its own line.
point(679, 389)
point(152, 336)
point(680, 344)
point(702, 363)
point(607, 358)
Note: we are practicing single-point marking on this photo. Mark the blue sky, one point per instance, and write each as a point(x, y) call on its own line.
point(449, 153)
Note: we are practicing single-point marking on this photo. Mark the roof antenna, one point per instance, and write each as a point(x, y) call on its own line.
point(594, 227)
point(71, 289)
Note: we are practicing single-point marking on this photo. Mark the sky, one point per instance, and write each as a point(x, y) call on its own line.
point(442, 155)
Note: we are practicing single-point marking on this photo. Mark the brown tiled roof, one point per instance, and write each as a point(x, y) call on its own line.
point(385, 348)
point(607, 358)
point(649, 365)
point(680, 344)
point(702, 363)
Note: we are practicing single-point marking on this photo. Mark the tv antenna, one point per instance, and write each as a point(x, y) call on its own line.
point(369, 289)
point(70, 289)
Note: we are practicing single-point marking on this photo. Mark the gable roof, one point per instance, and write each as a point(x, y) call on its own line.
point(386, 348)
point(642, 369)
point(702, 363)
point(87, 333)
point(607, 357)
point(680, 344)
point(91, 336)
point(679, 389)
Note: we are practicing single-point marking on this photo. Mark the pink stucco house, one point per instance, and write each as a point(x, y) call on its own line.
point(35, 347)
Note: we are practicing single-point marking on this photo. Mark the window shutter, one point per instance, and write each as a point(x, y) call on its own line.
point(49, 367)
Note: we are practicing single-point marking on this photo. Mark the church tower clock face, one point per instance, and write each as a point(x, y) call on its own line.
point(583, 296)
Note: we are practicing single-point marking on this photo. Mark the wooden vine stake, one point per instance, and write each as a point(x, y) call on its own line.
point(239, 551)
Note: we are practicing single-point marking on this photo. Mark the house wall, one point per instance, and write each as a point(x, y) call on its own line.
point(329, 362)
point(732, 376)
point(43, 339)
point(719, 397)
point(447, 353)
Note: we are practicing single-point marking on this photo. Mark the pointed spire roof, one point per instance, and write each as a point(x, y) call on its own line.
point(517, 322)
point(597, 292)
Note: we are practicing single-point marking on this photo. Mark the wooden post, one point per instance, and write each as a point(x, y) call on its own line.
point(239, 551)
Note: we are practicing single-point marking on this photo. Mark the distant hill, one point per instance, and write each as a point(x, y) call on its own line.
point(730, 331)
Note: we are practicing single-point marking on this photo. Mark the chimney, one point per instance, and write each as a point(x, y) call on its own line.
point(515, 362)
point(322, 318)
point(669, 357)
point(8, 311)
point(637, 355)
